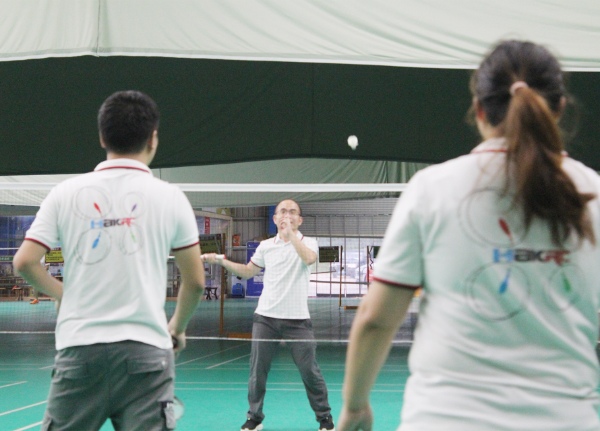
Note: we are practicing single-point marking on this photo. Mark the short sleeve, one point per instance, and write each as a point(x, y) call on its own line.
point(400, 258)
point(187, 229)
point(258, 258)
point(44, 229)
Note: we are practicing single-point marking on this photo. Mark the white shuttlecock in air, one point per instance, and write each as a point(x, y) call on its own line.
point(352, 142)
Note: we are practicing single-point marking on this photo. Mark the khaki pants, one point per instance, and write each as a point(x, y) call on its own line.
point(128, 382)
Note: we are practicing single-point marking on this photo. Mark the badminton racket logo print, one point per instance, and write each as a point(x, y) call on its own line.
point(502, 288)
point(504, 226)
point(105, 230)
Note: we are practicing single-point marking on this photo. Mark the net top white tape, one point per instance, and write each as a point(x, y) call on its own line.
point(254, 187)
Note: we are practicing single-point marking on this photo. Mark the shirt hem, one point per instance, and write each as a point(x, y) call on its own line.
point(274, 316)
point(80, 343)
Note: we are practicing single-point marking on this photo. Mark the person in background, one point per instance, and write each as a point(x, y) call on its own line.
point(282, 313)
point(504, 243)
point(117, 226)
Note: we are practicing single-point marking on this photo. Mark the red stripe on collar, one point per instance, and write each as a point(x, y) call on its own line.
point(123, 167)
point(562, 153)
point(489, 151)
point(277, 236)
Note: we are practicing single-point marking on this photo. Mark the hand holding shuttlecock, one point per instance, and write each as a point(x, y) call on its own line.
point(352, 142)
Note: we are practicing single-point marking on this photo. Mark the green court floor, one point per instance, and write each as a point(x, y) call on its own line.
point(212, 373)
point(211, 380)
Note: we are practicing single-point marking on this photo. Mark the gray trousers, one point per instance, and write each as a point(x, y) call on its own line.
point(303, 353)
point(130, 383)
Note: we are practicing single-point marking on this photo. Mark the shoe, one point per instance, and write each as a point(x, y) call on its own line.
point(34, 301)
point(251, 425)
point(326, 424)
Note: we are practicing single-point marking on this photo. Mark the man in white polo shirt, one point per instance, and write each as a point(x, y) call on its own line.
point(282, 313)
point(117, 226)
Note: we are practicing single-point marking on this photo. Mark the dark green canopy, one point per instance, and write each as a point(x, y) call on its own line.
point(222, 111)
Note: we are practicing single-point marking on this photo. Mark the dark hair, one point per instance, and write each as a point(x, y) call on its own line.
point(528, 120)
point(126, 121)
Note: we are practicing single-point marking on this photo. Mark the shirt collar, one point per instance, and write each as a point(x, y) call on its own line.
point(493, 145)
point(497, 145)
point(278, 238)
point(123, 164)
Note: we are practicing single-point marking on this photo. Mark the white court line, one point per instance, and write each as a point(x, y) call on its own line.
point(300, 340)
point(12, 364)
point(208, 356)
point(276, 383)
point(318, 341)
point(245, 383)
point(384, 370)
point(13, 384)
point(226, 362)
point(26, 332)
point(28, 427)
point(22, 408)
point(395, 391)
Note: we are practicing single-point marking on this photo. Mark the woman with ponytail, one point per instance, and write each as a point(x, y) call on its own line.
point(503, 243)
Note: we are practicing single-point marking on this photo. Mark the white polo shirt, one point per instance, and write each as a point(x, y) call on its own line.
point(508, 322)
point(116, 227)
point(286, 279)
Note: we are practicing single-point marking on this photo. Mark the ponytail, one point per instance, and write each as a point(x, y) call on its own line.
point(520, 87)
point(534, 168)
